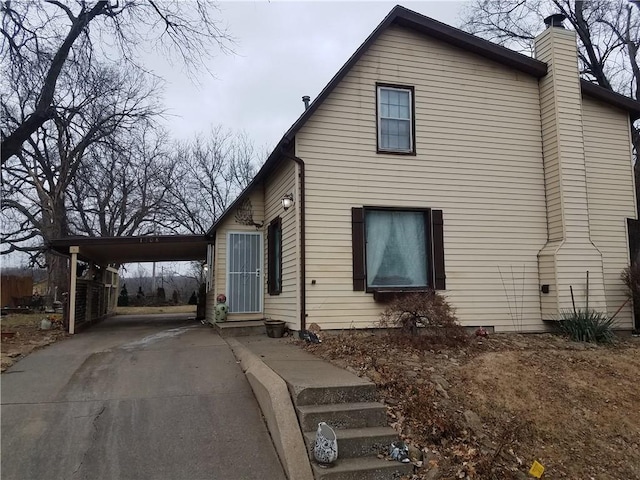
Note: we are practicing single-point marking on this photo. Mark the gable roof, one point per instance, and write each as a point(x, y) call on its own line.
point(613, 98)
point(406, 18)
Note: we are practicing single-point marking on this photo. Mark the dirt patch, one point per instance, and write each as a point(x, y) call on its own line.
point(21, 334)
point(489, 408)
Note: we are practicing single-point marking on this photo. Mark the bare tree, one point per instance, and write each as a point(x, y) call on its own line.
point(50, 36)
point(209, 173)
point(608, 34)
point(90, 110)
point(119, 187)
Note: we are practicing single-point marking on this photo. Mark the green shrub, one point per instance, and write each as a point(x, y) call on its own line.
point(123, 298)
point(587, 326)
point(193, 299)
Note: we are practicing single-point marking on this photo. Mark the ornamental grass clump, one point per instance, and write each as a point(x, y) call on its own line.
point(587, 326)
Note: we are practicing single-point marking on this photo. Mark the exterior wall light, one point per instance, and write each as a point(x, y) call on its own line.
point(287, 201)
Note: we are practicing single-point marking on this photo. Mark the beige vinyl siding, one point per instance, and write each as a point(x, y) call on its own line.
point(547, 270)
point(230, 224)
point(610, 170)
point(280, 182)
point(479, 159)
point(211, 306)
point(570, 250)
point(562, 136)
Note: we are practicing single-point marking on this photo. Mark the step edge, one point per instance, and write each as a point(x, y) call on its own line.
point(371, 463)
point(362, 464)
point(350, 432)
point(341, 407)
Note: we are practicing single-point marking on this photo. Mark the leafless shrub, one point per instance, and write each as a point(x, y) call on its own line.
point(424, 319)
point(631, 278)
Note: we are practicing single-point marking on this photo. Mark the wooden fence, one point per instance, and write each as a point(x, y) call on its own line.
point(16, 290)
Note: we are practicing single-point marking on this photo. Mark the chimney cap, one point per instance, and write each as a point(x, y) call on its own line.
point(306, 99)
point(555, 20)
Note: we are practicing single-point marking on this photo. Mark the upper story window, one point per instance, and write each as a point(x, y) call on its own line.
point(396, 123)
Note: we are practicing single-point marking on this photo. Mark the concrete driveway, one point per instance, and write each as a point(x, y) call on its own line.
point(135, 397)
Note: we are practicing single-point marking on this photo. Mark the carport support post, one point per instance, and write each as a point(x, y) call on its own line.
point(72, 288)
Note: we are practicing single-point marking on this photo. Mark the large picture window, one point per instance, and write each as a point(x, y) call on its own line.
point(274, 251)
point(395, 119)
point(397, 249)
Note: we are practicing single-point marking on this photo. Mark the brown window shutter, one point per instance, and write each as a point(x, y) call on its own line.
point(438, 250)
point(357, 246)
point(270, 248)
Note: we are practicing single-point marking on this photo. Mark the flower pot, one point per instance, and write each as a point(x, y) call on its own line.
point(325, 450)
point(275, 328)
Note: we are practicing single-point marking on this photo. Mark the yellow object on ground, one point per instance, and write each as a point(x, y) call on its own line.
point(536, 469)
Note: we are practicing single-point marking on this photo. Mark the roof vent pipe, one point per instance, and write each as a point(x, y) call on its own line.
point(306, 99)
point(555, 20)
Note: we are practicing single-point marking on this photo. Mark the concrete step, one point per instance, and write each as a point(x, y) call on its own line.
point(358, 442)
point(343, 415)
point(324, 395)
point(364, 468)
point(240, 329)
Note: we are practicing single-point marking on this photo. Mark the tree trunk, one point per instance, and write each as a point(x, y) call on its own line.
point(55, 226)
point(57, 275)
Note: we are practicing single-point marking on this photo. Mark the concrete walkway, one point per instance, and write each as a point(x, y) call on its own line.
point(146, 397)
point(281, 372)
point(320, 392)
point(301, 370)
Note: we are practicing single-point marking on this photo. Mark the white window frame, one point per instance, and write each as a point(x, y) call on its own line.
point(411, 119)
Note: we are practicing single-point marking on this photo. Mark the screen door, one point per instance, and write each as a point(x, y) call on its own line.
point(244, 280)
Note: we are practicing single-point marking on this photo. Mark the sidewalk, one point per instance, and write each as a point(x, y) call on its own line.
point(296, 391)
point(287, 380)
point(299, 369)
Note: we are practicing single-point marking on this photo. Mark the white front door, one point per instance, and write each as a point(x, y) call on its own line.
point(244, 272)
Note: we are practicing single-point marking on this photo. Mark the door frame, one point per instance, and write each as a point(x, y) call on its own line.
point(260, 263)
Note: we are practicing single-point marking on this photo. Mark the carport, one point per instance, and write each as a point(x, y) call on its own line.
point(107, 252)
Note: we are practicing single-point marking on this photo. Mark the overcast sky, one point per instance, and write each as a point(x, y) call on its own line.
point(283, 50)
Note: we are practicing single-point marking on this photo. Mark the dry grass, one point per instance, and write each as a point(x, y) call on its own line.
point(156, 310)
point(573, 407)
point(26, 335)
point(13, 320)
point(584, 406)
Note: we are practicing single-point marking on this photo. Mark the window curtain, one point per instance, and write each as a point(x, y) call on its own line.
point(379, 226)
point(396, 248)
point(411, 246)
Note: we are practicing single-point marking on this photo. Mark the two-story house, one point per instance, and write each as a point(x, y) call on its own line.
point(436, 159)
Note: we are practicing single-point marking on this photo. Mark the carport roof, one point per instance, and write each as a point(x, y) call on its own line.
point(155, 248)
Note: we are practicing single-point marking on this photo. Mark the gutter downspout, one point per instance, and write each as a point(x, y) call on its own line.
point(303, 248)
